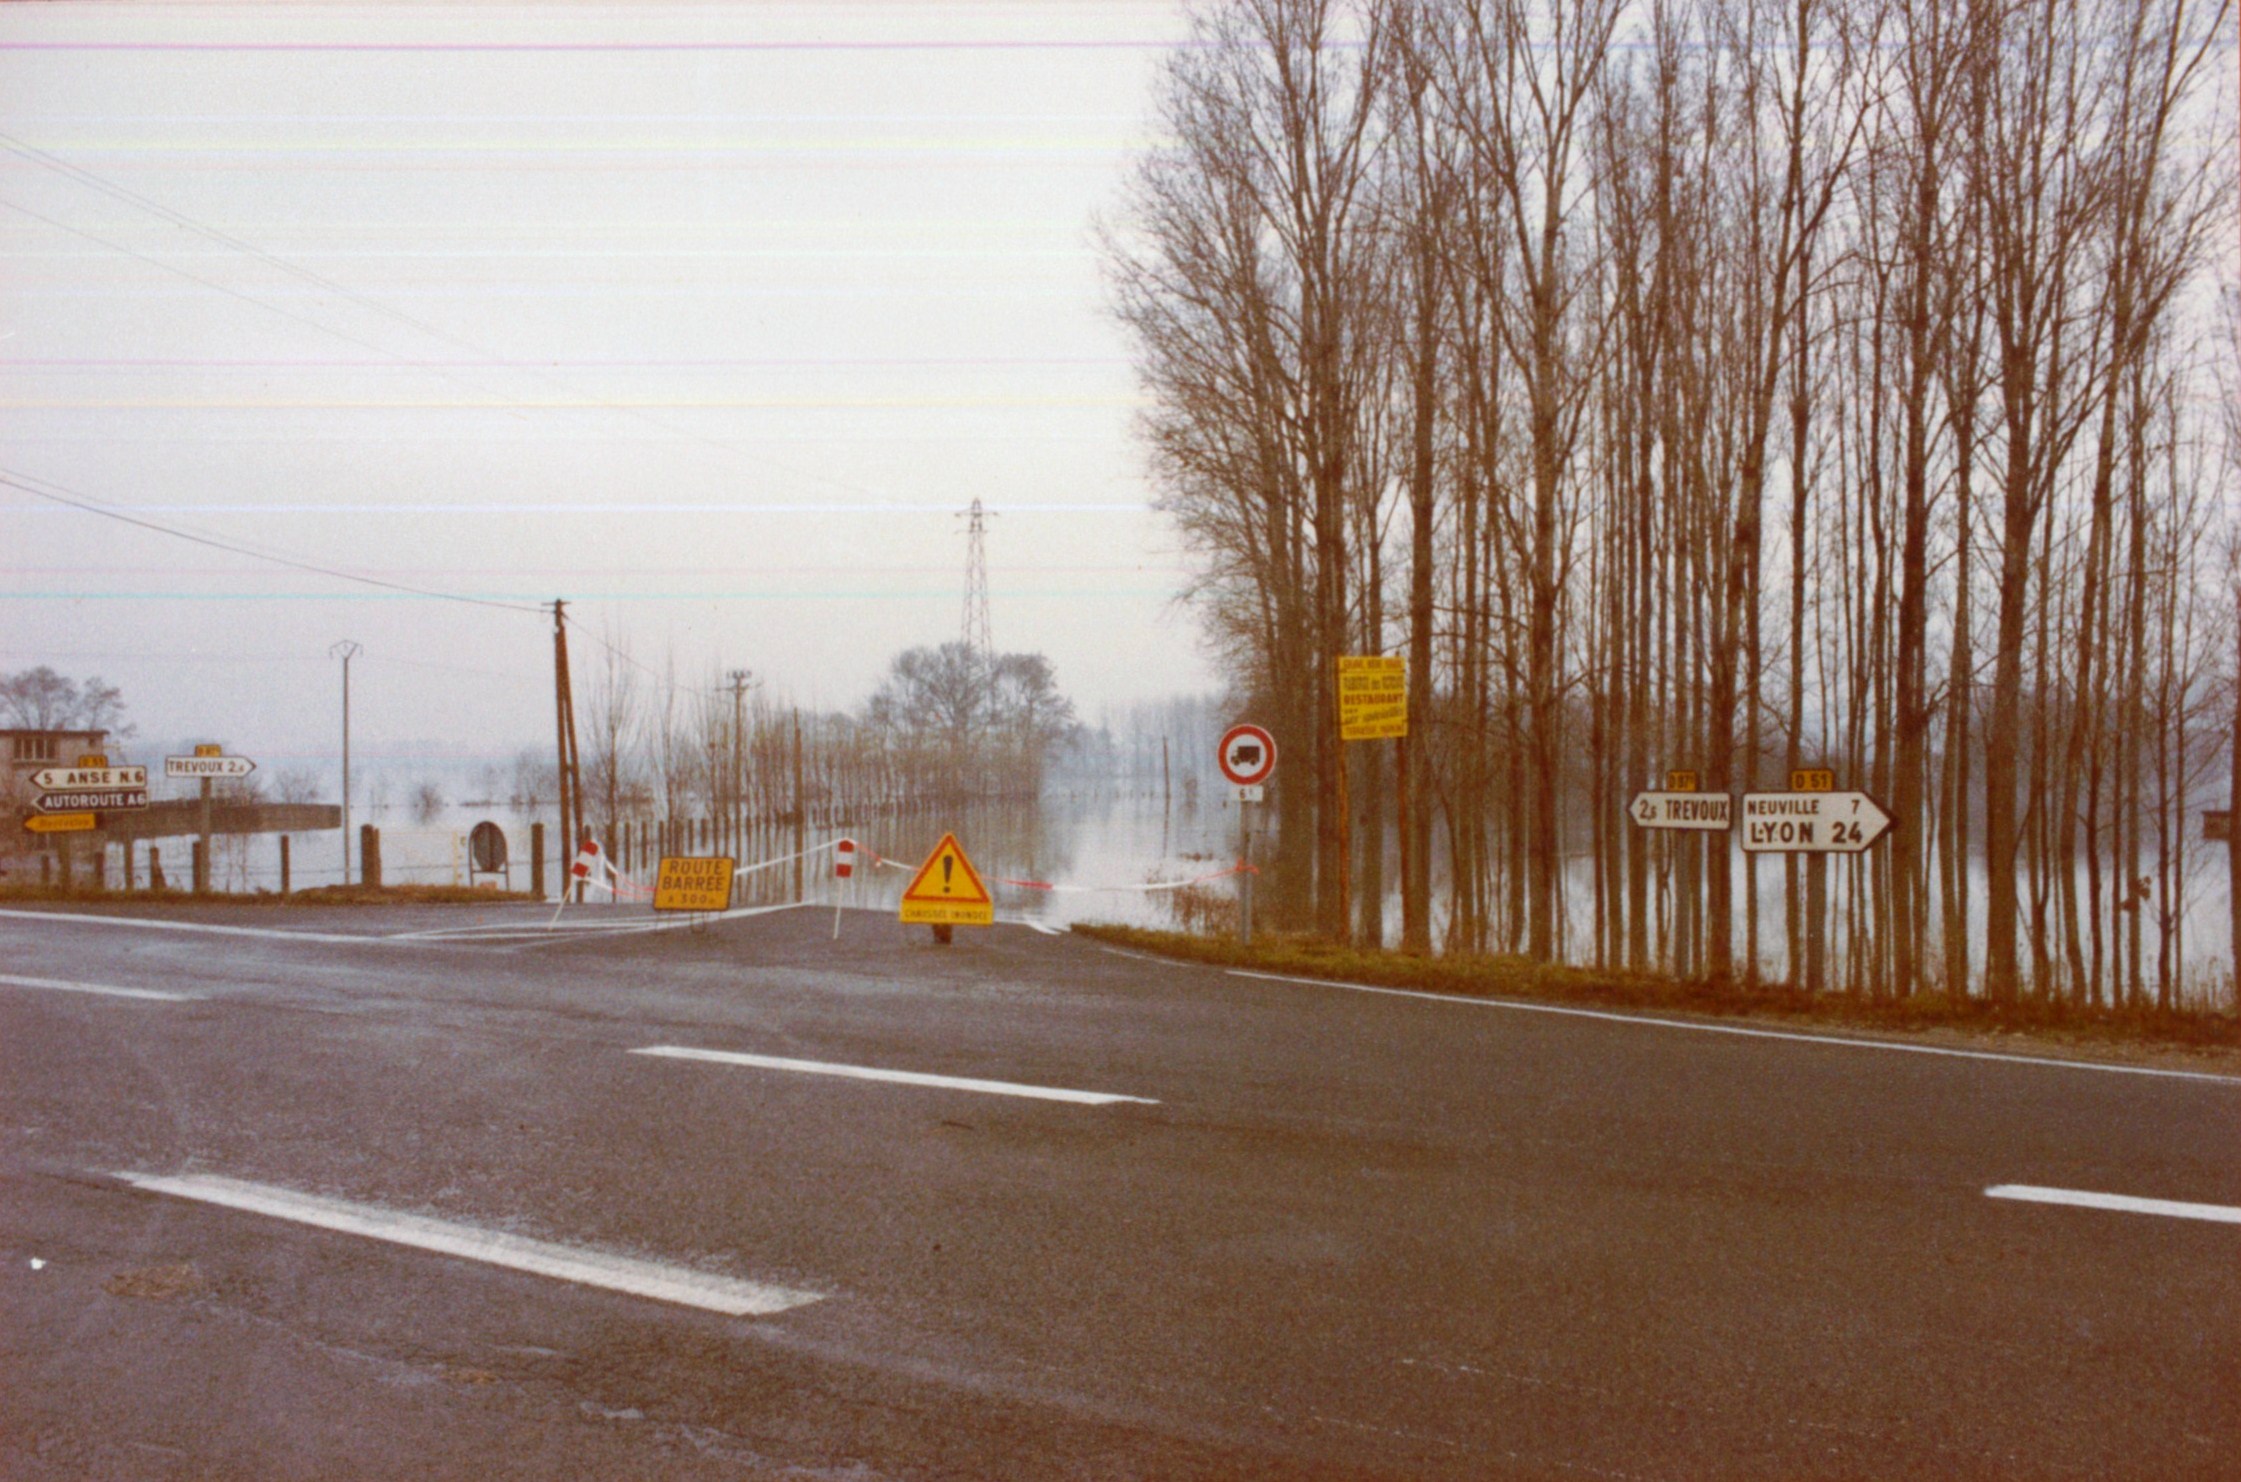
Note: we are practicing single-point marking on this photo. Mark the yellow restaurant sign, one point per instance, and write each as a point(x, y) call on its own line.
point(1372, 698)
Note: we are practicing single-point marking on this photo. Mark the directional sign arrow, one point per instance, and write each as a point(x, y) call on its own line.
point(71, 779)
point(1712, 811)
point(1812, 822)
point(61, 823)
point(208, 766)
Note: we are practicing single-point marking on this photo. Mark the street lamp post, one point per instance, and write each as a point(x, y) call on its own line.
point(345, 651)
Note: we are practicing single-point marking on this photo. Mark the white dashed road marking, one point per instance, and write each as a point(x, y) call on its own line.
point(905, 1077)
point(2224, 1214)
point(60, 985)
point(640, 1278)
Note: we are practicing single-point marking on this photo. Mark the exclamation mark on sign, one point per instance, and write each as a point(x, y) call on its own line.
point(949, 865)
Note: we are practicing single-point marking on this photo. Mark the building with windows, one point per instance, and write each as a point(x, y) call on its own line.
point(23, 752)
point(27, 751)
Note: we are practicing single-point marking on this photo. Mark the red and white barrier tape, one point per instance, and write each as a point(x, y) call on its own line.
point(882, 862)
point(618, 885)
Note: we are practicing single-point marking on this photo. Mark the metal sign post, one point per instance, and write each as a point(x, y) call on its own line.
point(1247, 757)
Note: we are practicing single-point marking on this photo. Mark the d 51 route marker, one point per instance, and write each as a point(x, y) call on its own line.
point(60, 823)
point(694, 883)
point(207, 766)
point(947, 891)
point(121, 799)
point(69, 779)
point(1713, 811)
point(1812, 822)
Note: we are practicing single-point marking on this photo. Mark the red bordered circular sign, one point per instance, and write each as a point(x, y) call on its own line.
point(1247, 755)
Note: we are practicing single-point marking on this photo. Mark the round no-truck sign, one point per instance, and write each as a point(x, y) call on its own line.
point(1247, 755)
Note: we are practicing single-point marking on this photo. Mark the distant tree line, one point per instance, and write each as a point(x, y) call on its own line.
point(1735, 385)
point(947, 725)
point(39, 699)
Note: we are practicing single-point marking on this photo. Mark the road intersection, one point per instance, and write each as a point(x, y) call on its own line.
point(369, 1194)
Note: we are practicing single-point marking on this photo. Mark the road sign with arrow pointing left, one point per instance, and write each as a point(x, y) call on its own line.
point(1714, 811)
point(74, 779)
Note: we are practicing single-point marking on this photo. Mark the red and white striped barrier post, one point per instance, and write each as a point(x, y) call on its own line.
point(844, 867)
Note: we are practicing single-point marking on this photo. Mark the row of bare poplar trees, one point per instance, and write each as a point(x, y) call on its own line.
point(1731, 385)
point(657, 751)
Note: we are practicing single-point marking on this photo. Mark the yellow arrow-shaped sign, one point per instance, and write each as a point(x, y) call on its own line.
point(60, 823)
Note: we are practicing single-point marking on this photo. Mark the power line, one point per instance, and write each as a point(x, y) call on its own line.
point(87, 178)
point(59, 494)
point(250, 299)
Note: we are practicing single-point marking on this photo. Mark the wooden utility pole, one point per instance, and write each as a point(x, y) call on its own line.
point(564, 733)
point(738, 678)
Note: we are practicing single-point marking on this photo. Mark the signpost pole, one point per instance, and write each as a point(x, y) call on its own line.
point(202, 848)
point(1245, 874)
point(345, 651)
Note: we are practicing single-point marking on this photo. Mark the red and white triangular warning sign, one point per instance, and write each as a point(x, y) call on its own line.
point(947, 891)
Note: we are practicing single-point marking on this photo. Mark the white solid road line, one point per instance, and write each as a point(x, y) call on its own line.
point(142, 923)
point(906, 1077)
point(570, 931)
point(1803, 1039)
point(2224, 1214)
point(663, 1283)
point(107, 990)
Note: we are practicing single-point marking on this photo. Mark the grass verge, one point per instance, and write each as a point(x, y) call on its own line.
point(1515, 977)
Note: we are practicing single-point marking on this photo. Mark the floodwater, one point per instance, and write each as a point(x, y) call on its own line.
point(1074, 857)
point(1100, 852)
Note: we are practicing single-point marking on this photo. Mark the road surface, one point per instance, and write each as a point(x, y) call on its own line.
point(358, 1193)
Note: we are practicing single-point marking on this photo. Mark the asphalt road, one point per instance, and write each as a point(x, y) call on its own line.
point(1335, 1234)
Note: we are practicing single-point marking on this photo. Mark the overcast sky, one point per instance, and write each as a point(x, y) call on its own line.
point(707, 318)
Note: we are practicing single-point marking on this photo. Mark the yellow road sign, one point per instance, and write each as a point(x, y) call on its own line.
point(947, 890)
point(1813, 779)
point(1372, 697)
point(209, 748)
point(61, 823)
point(1681, 782)
point(694, 883)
